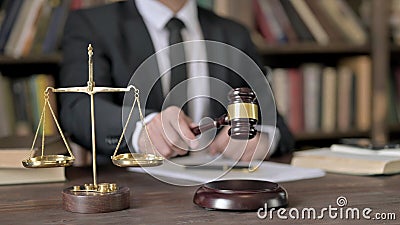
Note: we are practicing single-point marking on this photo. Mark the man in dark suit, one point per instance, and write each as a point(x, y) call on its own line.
point(124, 35)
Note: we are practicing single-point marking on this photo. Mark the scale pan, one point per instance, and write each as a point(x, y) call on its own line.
point(136, 160)
point(47, 161)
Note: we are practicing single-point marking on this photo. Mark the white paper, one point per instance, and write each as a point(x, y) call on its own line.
point(175, 173)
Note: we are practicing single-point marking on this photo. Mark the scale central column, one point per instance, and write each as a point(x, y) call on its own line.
point(91, 84)
point(95, 198)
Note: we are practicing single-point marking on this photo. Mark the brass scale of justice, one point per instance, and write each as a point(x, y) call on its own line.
point(90, 198)
point(108, 197)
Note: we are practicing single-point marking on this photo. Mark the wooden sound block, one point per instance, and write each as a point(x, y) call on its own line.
point(240, 195)
point(95, 202)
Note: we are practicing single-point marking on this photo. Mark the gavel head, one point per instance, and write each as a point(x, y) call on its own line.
point(242, 113)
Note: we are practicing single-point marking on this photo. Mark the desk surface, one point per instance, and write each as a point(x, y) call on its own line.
point(154, 202)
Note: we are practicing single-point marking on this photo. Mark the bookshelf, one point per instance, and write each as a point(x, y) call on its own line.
point(379, 48)
point(30, 36)
point(311, 48)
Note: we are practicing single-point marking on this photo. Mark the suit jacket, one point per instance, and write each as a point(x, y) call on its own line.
point(121, 44)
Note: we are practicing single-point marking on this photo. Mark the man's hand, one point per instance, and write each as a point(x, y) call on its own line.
point(169, 132)
point(240, 149)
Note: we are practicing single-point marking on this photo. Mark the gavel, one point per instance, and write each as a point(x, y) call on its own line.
point(242, 115)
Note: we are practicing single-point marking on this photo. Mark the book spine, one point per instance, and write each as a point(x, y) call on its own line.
point(328, 99)
point(279, 83)
point(20, 93)
point(283, 21)
point(345, 18)
point(8, 23)
point(298, 24)
point(311, 22)
point(272, 21)
point(312, 73)
point(262, 24)
point(24, 29)
point(6, 107)
point(335, 34)
point(344, 98)
point(296, 117)
point(361, 67)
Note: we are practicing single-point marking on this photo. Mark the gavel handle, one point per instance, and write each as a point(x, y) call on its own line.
point(223, 120)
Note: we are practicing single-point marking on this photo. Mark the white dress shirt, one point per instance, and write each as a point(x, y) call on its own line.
point(156, 15)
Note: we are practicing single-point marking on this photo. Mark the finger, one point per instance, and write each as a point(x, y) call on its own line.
point(159, 143)
point(157, 133)
point(178, 145)
point(183, 129)
point(174, 140)
point(166, 149)
point(193, 125)
point(184, 125)
point(189, 120)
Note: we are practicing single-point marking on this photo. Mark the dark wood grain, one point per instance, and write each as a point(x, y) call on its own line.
point(155, 202)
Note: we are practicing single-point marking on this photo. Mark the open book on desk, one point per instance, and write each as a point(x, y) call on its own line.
point(387, 151)
point(214, 168)
point(348, 160)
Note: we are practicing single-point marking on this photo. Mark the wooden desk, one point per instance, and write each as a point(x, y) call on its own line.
point(154, 202)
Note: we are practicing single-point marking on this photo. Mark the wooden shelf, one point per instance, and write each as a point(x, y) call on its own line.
point(394, 48)
point(313, 48)
point(331, 135)
point(25, 66)
point(296, 54)
point(304, 48)
point(37, 59)
point(394, 128)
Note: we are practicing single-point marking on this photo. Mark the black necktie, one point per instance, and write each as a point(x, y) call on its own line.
point(177, 56)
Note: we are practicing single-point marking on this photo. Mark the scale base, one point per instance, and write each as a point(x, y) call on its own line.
point(240, 195)
point(95, 202)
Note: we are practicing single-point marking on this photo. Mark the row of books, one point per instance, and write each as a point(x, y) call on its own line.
point(315, 98)
point(22, 103)
point(323, 22)
point(35, 27)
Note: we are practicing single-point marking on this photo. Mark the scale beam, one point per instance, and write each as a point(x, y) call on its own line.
point(95, 90)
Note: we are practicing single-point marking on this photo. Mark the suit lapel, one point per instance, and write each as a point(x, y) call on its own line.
point(140, 48)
